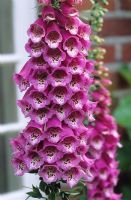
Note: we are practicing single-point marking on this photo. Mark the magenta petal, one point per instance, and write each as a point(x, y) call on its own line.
point(72, 176)
point(21, 82)
point(44, 2)
point(34, 49)
point(34, 161)
point(25, 107)
point(60, 77)
point(50, 154)
point(60, 95)
point(38, 99)
point(72, 25)
point(48, 13)
point(36, 31)
point(54, 57)
point(74, 1)
point(83, 139)
point(68, 10)
point(39, 79)
point(50, 173)
point(62, 112)
point(84, 31)
point(71, 45)
point(53, 36)
point(76, 83)
point(41, 116)
point(97, 142)
point(85, 45)
point(38, 63)
point(76, 65)
point(33, 133)
point(74, 120)
point(78, 100)
point(19, 165)
point(17, 144)
point(53, 122)
point(68, 161)
point(68, 144)
point(54, 134)
point(22, 78)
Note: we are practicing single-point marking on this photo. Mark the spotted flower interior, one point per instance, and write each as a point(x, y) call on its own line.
point(56, 81)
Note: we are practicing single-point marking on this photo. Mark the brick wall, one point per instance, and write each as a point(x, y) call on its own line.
point(117, 34)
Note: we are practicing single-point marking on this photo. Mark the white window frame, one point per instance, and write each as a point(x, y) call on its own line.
point(24, 13)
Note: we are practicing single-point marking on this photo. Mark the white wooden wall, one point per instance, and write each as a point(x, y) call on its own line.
point(24, 13)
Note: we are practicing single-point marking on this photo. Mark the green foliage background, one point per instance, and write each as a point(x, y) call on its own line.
point(122, 114)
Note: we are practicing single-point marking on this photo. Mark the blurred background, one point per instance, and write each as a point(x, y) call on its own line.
point(15, 17)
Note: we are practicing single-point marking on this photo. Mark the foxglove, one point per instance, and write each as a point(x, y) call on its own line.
point(56, 80)
point(103, 143)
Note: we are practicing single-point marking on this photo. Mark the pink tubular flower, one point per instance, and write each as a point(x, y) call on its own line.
point(60, 77)
point(53, 36)
point(103, 143)
point(84, 31)
point(68, 144)
point(71, 45)
point(68, 10)
point(63, 111)
point(38, 63)
point(48, 13)
point(54, 57)
point(34, 49)
point(36, 31)
point(41, 116)
point(71, 24)
point(38, 99)
point(54, 134)
point(19, 165)
point(34, 161)
point(39, 79)
point(72, 176)
point(22, 78)
point(45, 2)
point(60, 95)
point(17, 145)
point(76, 65)
point(33, 133)
point(68, 161)
point(50, 153)
point(26, 107)
point(74, 1)
point(49, 173)
point(56, 80)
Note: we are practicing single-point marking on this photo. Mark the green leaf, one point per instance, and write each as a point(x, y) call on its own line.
point(126, 190)
point(105, 2)
point(64, 195)
point(86, 122)
point(51, 196)
point(47, 190)
point(123, 112)
point(83, 197)
point(125, 71)
point(35, 193)
point(129, 132)
point(124, 156)
point(42, 186)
